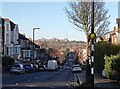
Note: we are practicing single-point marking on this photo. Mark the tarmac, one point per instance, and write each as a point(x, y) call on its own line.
point(99, 83)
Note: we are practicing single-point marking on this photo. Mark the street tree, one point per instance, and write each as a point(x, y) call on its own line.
point(80, 15)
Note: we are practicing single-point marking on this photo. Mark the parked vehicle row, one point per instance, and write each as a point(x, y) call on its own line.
point(18, 68)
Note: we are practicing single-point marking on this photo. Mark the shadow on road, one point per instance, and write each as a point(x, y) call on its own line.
point(59, 87)
point(56, 87)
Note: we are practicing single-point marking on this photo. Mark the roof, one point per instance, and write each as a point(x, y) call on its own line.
point(21, 36)
point(6, 19)
point(12, 25)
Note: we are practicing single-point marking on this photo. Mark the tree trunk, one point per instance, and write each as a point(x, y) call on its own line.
point(87, 42)
point(87, 58)
point(87, 47)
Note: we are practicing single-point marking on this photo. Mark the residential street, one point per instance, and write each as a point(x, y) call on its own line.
point(61, 79)
point(60, 45)
point(43, 79)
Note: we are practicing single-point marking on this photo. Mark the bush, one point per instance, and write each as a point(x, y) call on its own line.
point(112, 67)
point(7, 61)
point(102, 49)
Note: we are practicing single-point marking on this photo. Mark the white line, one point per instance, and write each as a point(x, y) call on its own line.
point(92, 47)
point(92, 59)
point(30, 85)
point(92, 70)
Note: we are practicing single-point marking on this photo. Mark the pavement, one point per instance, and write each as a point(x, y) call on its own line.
point(101, 82)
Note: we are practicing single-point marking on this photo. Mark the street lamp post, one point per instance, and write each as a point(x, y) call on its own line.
point(33, 41)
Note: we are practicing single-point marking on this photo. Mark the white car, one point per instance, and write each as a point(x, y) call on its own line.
point(17, 69)
point(76, 69)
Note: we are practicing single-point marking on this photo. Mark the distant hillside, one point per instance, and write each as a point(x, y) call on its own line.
point(59, 43)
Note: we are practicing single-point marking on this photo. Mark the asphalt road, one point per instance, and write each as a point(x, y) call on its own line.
point(60, 79)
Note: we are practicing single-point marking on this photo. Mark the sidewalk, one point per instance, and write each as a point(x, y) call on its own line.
point(101, 82)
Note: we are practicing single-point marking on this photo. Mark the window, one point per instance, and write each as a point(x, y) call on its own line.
point(27, 53)
point(7, 51)
point(16, 39)
point(7, 38)
point(7, 27)
point(15, 50)
point(18, 50)
point(23, 52)
point(12, 38)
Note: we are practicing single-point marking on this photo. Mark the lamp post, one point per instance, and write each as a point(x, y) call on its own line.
point(33, 41)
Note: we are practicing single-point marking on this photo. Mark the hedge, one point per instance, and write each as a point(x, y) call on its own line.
point(7, 61)
point(112, 67)
point(102, 49)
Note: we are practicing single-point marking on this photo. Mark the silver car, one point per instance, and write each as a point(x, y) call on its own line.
point(17, 69)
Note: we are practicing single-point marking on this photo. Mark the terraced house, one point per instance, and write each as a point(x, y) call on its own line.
point(114, 35)
point(10, 39)
point(14, 44)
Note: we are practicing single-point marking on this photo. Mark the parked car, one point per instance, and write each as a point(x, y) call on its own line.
point(52, 65)
point(76, 68)
point(29, 68)
point(41, 67)
point(36, 68)
point(17, 69)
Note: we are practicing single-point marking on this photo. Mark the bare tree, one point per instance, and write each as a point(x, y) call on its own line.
point(80, 15)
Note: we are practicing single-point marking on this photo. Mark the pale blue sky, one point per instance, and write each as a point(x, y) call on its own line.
point(49, 16)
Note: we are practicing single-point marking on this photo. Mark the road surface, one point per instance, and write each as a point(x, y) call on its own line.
point(60, 79)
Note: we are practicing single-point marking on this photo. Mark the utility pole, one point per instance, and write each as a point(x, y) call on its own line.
point(92, 36)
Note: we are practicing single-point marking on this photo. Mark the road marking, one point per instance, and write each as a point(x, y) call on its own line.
point(36, 78)
point(16, 84)
point(30, 85)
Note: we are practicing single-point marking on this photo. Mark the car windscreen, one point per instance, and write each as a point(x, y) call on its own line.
point(16, 66)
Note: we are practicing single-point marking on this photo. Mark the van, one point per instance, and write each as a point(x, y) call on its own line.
point(52, 65)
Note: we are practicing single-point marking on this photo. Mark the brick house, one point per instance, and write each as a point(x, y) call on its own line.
point(114, 35)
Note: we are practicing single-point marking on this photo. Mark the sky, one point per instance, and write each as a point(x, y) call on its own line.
point(50, 17)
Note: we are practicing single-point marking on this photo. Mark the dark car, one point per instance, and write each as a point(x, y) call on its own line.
point(42, 67)
point(36, 68)
point(29, 68)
